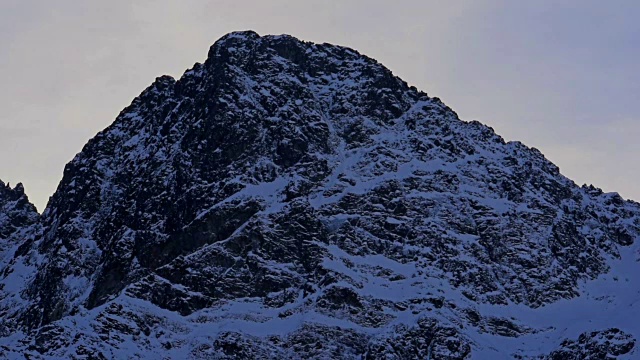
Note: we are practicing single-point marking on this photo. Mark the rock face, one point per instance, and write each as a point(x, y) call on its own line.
point(286, 199)
point(16, 212)
point(17, 217)
point(18, 223)
point(607, 344)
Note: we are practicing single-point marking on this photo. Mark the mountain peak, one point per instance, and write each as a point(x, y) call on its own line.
point(233, 40)
point(286, 199)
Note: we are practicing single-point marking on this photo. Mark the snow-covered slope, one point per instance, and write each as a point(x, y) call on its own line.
point(292, 200)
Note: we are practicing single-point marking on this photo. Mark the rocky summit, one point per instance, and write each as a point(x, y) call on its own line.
point(292, 200)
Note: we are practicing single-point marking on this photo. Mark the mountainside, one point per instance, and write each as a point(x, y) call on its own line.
point(286, 199)
point(17, 217)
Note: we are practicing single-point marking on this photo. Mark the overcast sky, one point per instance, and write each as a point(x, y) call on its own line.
point(562, 76)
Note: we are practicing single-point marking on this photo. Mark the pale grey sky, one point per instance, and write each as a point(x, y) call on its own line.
point(563, 76)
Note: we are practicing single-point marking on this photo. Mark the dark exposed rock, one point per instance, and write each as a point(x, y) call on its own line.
point(16, 212)
point(606, 344)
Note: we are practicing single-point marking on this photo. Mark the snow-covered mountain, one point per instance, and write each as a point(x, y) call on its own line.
point(288, 200)
point(17, 219)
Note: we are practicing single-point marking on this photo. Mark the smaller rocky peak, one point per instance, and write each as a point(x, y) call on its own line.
point(162, 86)
point(142, 108)
point(16, 212)
point(19, 189)
point(11, 194)
point(162, 83)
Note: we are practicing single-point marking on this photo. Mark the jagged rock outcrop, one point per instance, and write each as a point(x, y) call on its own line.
point(18, 222)
point(18, 217)
point(607, 344)
point(16, 212)
point(286, 199)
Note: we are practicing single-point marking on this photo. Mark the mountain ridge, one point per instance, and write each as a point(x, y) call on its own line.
point(305, 202)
